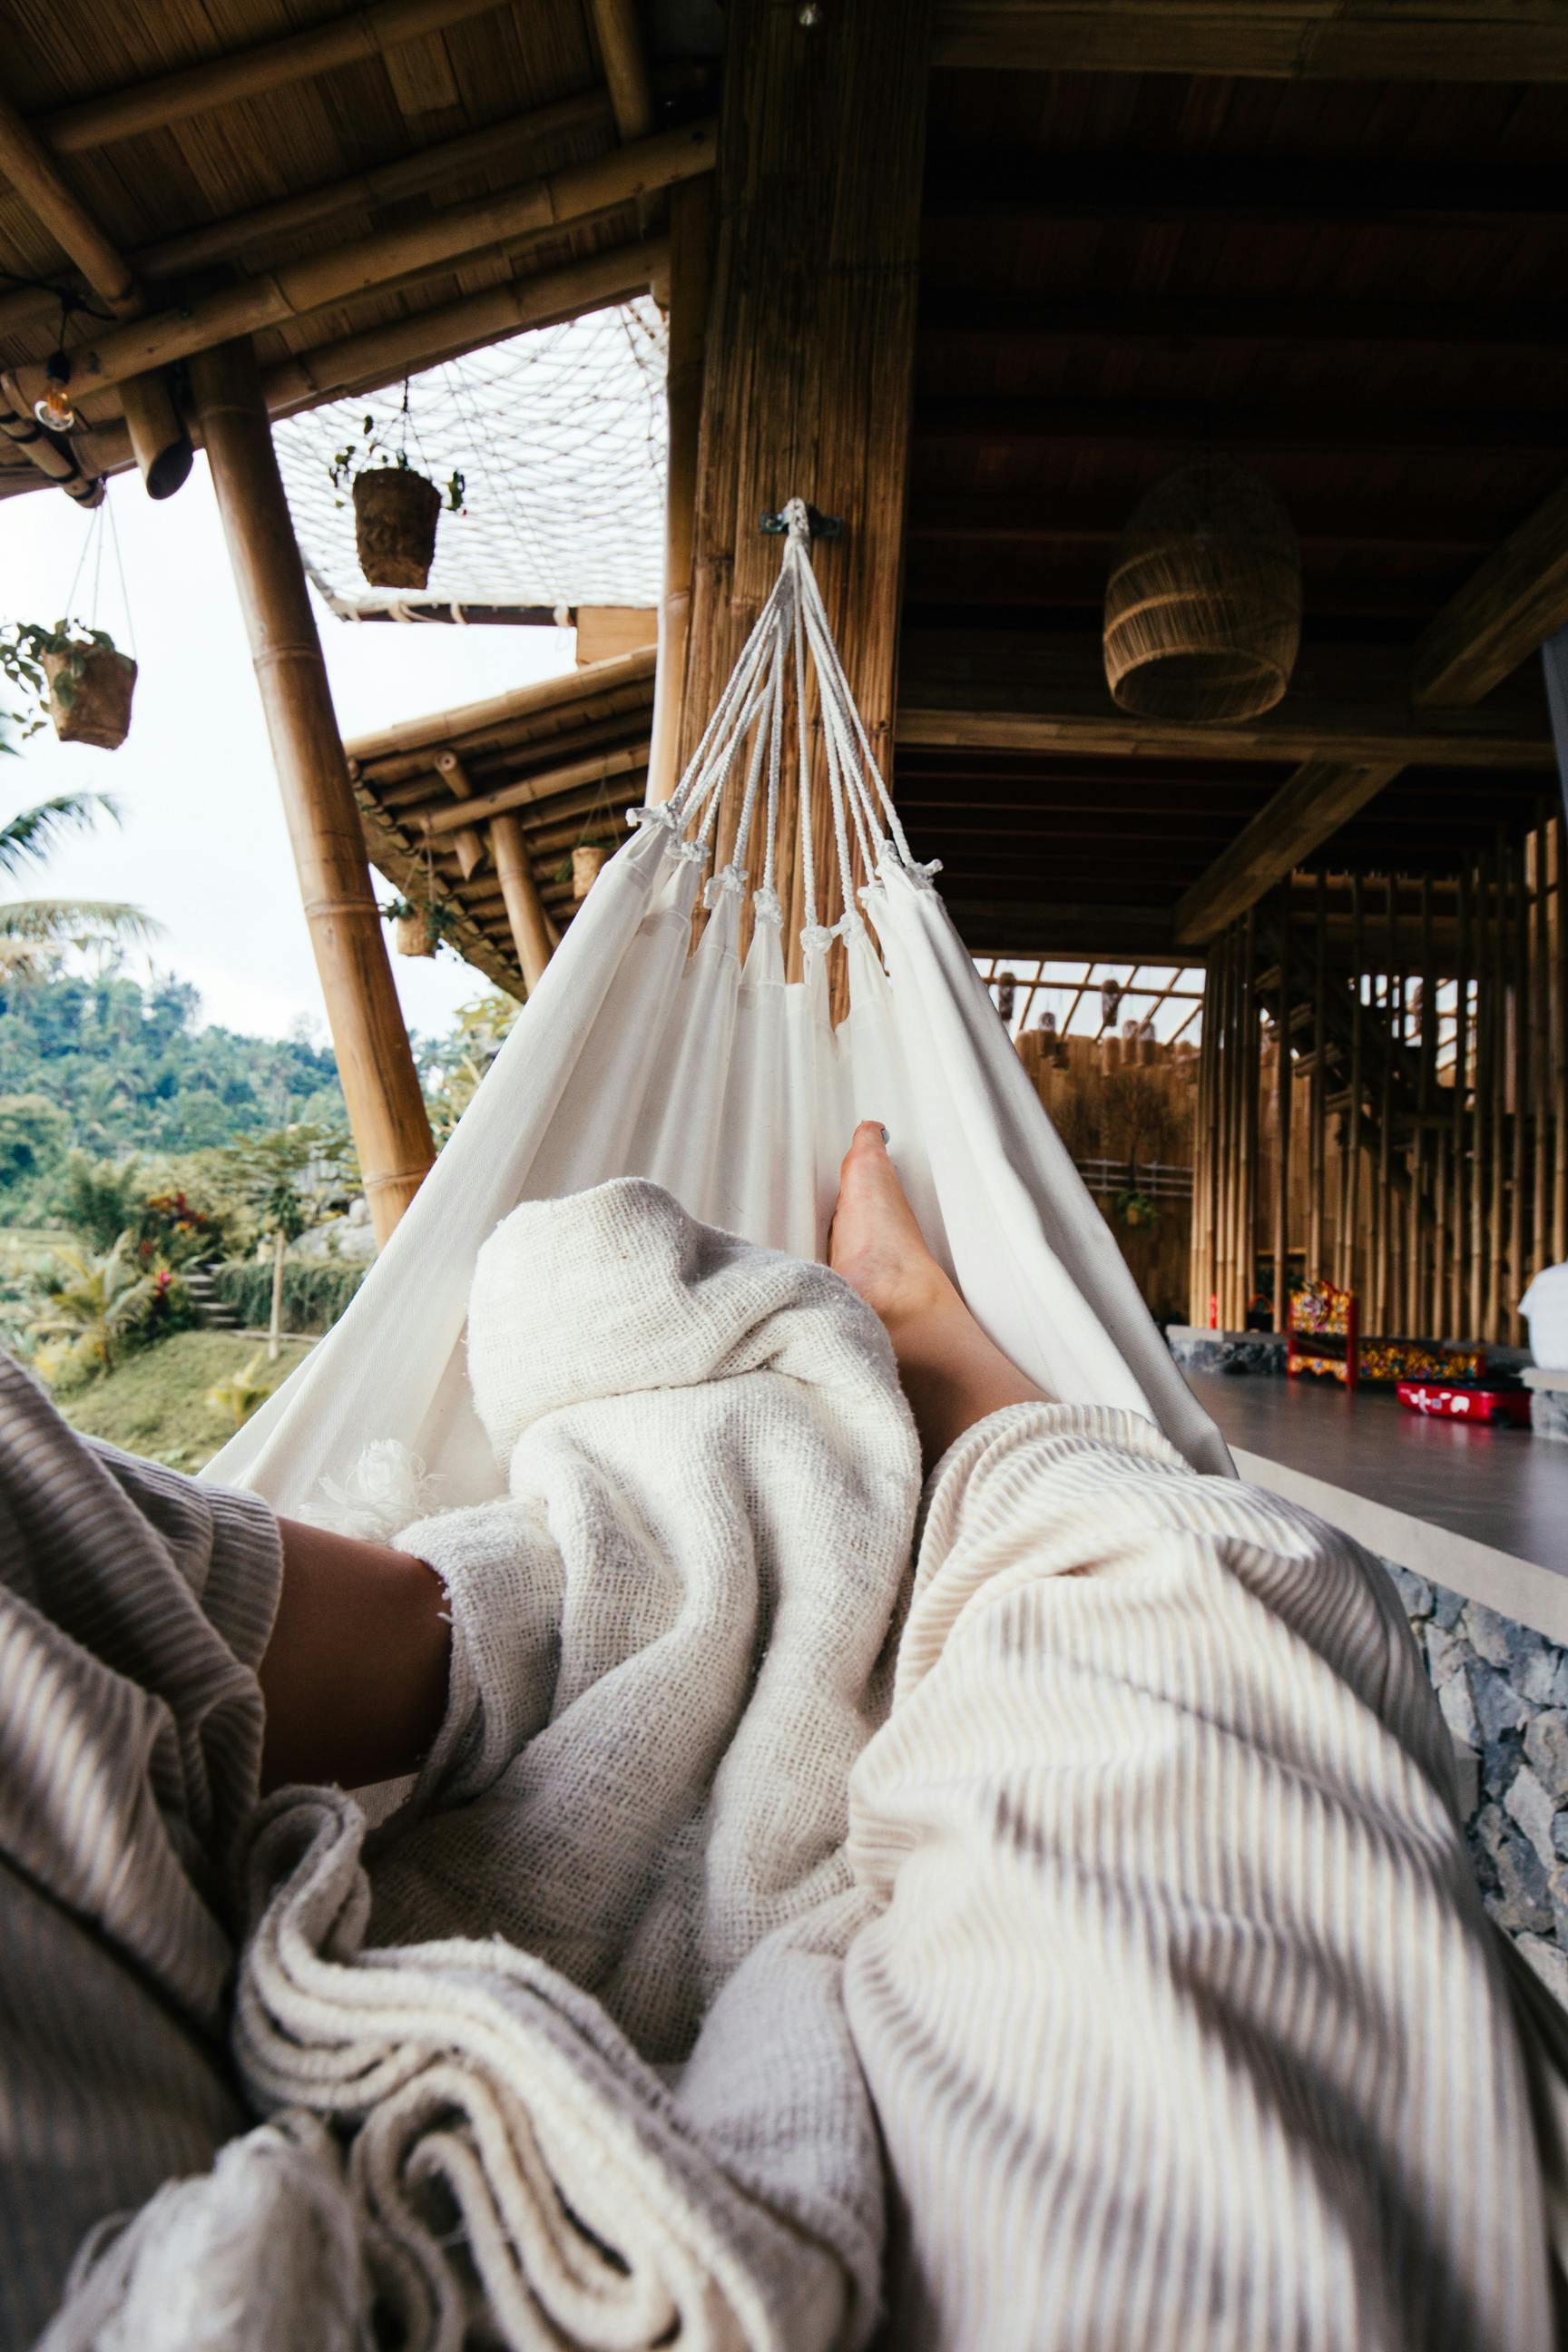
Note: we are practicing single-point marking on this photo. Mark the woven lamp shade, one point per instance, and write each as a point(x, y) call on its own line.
point(1203, 612)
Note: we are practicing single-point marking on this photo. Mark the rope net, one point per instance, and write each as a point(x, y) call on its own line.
point(559, 437)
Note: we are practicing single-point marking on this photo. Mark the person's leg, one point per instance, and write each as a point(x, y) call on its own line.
point(952, 1373)
point(1183, 2019)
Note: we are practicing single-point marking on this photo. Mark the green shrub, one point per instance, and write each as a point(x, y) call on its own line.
point(314, 1296)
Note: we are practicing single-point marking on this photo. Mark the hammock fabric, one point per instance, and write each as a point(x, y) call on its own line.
point(736, 1092)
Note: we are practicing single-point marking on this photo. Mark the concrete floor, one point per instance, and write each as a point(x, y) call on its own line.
point(1501, 1487)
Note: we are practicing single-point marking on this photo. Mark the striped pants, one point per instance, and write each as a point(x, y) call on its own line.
point(1182, 2020)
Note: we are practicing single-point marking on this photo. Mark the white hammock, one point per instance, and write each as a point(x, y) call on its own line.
point(736, 1092)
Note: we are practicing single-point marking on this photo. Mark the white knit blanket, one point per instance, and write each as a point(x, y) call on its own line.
point(581, 2004)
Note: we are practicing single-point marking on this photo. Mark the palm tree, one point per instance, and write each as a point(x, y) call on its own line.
point(94, 1302)
point(33, 931)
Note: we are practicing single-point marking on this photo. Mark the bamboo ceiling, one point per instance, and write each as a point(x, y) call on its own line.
point(570, 756)
point(262, 190)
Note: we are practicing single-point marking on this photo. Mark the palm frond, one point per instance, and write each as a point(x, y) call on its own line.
point(33, 833)
point(67, 922)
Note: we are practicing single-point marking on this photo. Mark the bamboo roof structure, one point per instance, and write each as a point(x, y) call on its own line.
point(568, 757)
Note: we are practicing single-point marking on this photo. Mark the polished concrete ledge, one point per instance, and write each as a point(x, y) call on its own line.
point(1483, 1511)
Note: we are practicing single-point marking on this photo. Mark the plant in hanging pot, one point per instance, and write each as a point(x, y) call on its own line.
point(419, 928)
point(582, 867)
point(76, 675)
point(397, 509)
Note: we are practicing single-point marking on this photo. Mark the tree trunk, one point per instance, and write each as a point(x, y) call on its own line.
point(275, 1326)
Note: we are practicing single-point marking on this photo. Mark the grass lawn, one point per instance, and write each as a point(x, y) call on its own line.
point(155, 1403)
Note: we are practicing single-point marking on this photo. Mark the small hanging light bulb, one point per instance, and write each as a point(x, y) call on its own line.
point(53, 407)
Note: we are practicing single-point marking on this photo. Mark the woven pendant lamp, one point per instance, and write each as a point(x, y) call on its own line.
point(1202, 610)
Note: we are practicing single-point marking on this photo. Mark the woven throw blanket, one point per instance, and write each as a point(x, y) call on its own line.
point(580, 2006)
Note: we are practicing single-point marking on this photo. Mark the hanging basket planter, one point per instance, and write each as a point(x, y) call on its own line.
point(1202, 610)
point(396, 514)
point(587, 861)
point(418, 928)
point(91, 688)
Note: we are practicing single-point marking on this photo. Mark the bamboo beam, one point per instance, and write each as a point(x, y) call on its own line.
point(1282, 1130)
point(1503, 614)
point(690, 281)
point(1071, 712)
point(54, 459)
point(518, 707)
point(1319, 797)
point(534, 936)
point(379, 355)
point(529, 789)
point(1375, 40)
point(1318, 1094)
point(153, 104)
point(626, 66)
point(380, 1087)
point(33, 172)
point(1455, 1290)
point(158, 437)
point(1540, 1050)
point(468, 846)
point(545, 205)
point(808, 386)
point(1558, 934)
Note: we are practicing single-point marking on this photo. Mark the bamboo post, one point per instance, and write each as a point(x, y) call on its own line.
point(468, 846)
point(690, 274)
point(1496, 1207)
point(1204, 1225)
point(1350, 1205)
point(1315, 1100)
point(1541, 1046)
point(1557, 931)
point(1480, 1083)
point(1251, 1043)
point(1380, 1201)
point(1519, 1084)
point(626, 68)
point(534, 936)
point(1223, 1059)
point(380, 1087)
point(1457, 1292)
point(1282, 1128)
point(1420, 1295)
point(809, 384)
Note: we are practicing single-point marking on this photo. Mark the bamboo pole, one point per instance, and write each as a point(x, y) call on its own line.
point(545, 205)
point(1316, 1103)
point(529, 789)
point(1519, 1076)
point(1420, 1302)
point(1283, 1130)
point(1226, 1246)
point(153, 104)
point(468, 846)
point(1350, 1196)
point(1558, 936)
point(1457, 1292)
point(1480, 1085)
point(158, 438)
point(464, 722)
point(1380, 1201)
point(691, 279)
point(1251, 1074)
point(534, 936)
point(1541, 1049)
point(625, 68)
point(54, 459)
point(1496, 1207)
point(380, 1087)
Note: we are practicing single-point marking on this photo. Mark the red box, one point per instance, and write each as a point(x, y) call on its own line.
point(1488, 1405)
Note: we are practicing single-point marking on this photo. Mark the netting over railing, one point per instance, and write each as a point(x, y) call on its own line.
point(559, 437)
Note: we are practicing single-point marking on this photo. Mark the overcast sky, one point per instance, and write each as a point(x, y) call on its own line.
point(203, 847)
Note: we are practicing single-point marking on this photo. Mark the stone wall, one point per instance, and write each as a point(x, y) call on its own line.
point(1503, 1691)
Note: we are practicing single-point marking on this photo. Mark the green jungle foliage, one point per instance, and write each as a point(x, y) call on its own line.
point(127, 1070)
point(161, 1402)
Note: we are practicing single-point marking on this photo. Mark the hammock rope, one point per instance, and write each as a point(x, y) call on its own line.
point(640, 1055)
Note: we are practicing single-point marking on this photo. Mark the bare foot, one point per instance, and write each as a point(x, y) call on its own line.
point(953, 1374)
point(874, 1241)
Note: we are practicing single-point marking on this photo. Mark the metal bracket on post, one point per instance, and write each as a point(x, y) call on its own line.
point(819, 526)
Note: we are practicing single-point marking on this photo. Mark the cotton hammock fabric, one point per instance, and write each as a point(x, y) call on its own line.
point(734, 1090)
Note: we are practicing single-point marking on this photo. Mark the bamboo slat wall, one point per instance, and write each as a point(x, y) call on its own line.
point(1425, 1120)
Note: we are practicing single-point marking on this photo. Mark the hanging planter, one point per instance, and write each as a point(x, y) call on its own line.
point(1202, 610)
point(417, 929)
point(587, 861)
point(75, 676)
point(396, 514)
point(91, 688)
point(396, 507)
